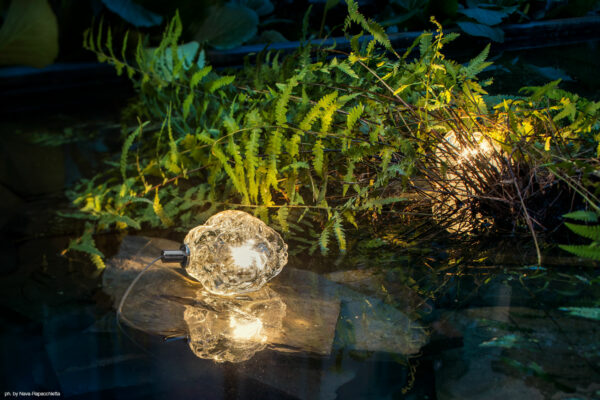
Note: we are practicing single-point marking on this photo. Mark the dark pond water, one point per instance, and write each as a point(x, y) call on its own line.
point(379, 325)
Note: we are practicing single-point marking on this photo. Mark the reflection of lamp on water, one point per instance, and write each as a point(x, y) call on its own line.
point(233, 329)
point(246, 329)
point(232, 253)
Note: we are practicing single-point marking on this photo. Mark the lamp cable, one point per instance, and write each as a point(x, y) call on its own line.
point(126, 294)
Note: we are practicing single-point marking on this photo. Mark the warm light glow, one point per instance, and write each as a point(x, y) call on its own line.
point(245, 256)
point(234, 252)
point(233, 329)
point(244, 329)
point(462, 159)
point(480, 146)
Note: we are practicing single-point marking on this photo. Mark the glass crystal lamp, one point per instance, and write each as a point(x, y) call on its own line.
point(232, 253)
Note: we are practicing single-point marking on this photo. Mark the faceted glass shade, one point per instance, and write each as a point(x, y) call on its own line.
point(234, 252)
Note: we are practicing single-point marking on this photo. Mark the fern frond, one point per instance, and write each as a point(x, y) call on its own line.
point(339, 232)
point(282, 218)
point(324, 239)
point(122, 220)
point(282, 103)
point(349, 177)
point(583, 251)
point(582, 215)
point(97, 261)
point(378, 203)
point(126, 145)
point(233, 149)
point(323, 104)
point(187, 104)
point(587, 231)
point(354, 115)
point(85, 246)
point(327, 118)
point(218, 83)
point(293, 145)
point(241, 188)
point(478, 64)
point(346, 68)
point(425, 44)
point(368, 25)
point(252, 161)
point(159, 211)
point(198, 76)
point(318, 157)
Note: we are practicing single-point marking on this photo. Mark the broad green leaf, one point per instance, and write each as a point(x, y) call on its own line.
point(133, 13)
point(227, 26)
point(484, 16)
point(261, 7)
point(29, 34)
point(480, 30)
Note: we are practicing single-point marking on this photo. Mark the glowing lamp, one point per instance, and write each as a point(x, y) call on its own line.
point(455, 152)
point(463, 156)
point(232, 253)
point(233, 329)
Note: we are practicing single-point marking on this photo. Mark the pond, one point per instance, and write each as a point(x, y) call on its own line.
point(385, 323)
point(328, 330)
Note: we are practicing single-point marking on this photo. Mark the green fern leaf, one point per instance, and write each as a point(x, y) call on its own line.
point(234, 151)
point(349, 177)
point(241, 189)
point(318, 157)
point(346, 68)
point(378, 203)
point(126, 145)
point(218, 83)
point(160, 212)
point(284, 98)
point(583, 251)
point(339, 233)
point(425, 44)
point(295, 166)
point(478, 64)
point(293, 145)
point(327, 118)
point(251, 160)
point(353, 116)
point(582, 215)
point(323, 104)
point(282, 218)
point(97, 261)
point(324, 239)
point(587, 231)
point(369, 25)
point(199, 75)
point(86, 247)
point(124, 46)
point(124, 219)
point(187, 104)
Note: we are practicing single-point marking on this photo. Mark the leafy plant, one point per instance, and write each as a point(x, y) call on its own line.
point(314, 143)
point(588, 231)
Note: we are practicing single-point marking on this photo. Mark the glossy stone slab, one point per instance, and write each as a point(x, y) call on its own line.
point(316, 309)
point(156, 305)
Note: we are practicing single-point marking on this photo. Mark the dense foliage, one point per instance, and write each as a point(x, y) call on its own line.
point(315, 142)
